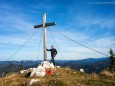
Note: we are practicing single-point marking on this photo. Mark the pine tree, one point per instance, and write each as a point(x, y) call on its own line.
point(21, 67)
point(112, 60)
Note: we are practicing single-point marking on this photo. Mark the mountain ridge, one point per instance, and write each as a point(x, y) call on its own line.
point(89, 65)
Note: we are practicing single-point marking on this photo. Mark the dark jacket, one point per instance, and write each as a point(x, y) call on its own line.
point(53, 51)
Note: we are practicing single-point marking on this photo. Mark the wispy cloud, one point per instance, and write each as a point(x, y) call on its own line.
point(105, 42)
point(15, 22)
point(81, 21)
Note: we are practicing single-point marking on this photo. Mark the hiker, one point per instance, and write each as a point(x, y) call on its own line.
point(53, 54)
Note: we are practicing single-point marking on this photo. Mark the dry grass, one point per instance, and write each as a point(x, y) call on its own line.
point(60, 77)
point(106, 73)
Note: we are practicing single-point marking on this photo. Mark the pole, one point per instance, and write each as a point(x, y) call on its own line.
point(44, 25)
point(44, 37)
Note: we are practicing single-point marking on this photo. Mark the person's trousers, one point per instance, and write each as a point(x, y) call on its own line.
point(52, 60)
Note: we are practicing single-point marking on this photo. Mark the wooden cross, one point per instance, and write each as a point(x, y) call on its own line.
point(44, 25)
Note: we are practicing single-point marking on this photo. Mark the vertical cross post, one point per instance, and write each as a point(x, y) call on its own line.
point(44, 25)
point(44, 37)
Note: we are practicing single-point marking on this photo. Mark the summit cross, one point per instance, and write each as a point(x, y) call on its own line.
point(44, 25)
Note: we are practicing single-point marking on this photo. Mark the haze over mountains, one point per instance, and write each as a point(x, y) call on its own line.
point(89, 65)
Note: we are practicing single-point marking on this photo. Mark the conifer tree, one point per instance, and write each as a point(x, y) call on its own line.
point(21, 67)
point(112, 60)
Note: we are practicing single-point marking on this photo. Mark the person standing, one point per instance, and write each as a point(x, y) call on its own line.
point(53, 54)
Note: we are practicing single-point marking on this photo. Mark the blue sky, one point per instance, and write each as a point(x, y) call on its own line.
point(89, 22)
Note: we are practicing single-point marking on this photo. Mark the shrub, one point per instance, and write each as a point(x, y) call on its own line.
point(106, 73)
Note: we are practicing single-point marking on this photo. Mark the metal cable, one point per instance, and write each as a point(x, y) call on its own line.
point(80, 43)
point(21, 46)
point(56, 44)
point(39, 45)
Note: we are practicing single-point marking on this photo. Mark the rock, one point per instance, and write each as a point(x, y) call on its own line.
point(58, 66)
point(81, 70)
point(33, 81)
point(40, 70)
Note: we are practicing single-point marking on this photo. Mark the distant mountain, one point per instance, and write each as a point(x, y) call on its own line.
point(89, 65)
point(14, 66)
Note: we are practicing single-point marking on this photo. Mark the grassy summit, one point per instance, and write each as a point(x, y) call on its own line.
point(62, 77)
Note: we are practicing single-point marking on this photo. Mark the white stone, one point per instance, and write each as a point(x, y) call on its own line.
point(41, 69)
point(33, 81)
point(81, 70)
point(58, 66)
point(40, 74)
point(52, 66)
point(23, 71)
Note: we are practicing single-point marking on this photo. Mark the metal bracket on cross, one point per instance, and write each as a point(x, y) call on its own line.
point(47, 24)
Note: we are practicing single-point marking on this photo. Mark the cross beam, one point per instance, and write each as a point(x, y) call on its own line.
point(44, 25)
